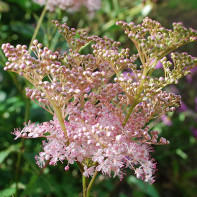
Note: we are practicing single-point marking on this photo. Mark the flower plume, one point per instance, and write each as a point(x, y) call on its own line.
point(102, 102)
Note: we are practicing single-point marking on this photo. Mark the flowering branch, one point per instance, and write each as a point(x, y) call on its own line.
point(102, 103)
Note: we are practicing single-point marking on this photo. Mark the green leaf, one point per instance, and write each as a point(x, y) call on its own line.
point(190, 174)
point(4, 7)
point(181, 153)
point(23, 29)
point(5, 153)
point(7, 192)
point(23, 3)
point(2, 96)
point(32, 186)
point(122, 195)
point(182, 117)
point(144, 187)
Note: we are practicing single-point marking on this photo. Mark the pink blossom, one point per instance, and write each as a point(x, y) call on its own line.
point(166, 120)
point(195, 101)
point(101, 139)
point(183, 107)
point(70, 5)
point(194, 132)
point(100, 114)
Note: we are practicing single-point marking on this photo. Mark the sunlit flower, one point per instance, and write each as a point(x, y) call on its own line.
point(102, 103)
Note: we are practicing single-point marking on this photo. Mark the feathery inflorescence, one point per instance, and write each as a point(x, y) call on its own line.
point(102, 102)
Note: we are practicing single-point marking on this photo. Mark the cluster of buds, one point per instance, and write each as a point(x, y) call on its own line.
point(70, 5)
point(102, 102)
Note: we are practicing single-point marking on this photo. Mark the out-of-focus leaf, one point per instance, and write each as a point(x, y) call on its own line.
point(7, 192)
point(116, 7)
point(181, 117)
point(40, 183)
point(123, 195)
point(193, 3)
point(2, 96)
point(12, 100)
point(190, 174)
point(5, 153)
point(26, 4)
point(146, 9)
point(175, 4)
point(30, 159)
point(23, 29)
point(181, 153)
point(4, 7)
point(145, 187)
point(2, 107)
point(32, 185)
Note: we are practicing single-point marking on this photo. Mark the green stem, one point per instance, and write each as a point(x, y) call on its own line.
point(16, 82)
point(58, 113)
point(37, 27)
point(91, 184)
point(27, 109)
point(18, 166)
point(140, 90)
point(129, 113)
point(18, 163)
point(137, 96)
point(84, 182)
point(80, 167)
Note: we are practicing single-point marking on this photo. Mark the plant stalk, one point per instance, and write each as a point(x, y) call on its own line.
point(18, 162)
point(37, 27)
point(91, 184)
point(84, 182)
point(136, 97)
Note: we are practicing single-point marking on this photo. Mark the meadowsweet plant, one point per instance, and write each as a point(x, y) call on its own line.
point(102, 102)
point(70, 5)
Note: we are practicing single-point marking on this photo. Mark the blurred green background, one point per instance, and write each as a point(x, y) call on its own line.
point(176, 163)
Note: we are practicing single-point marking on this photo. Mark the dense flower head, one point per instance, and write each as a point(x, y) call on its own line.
point(70, 5)
point(98, 140)
point(102, 102)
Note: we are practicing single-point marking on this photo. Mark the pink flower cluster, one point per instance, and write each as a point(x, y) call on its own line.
point(102, 102)
point(70, 5)
point(98, 140)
